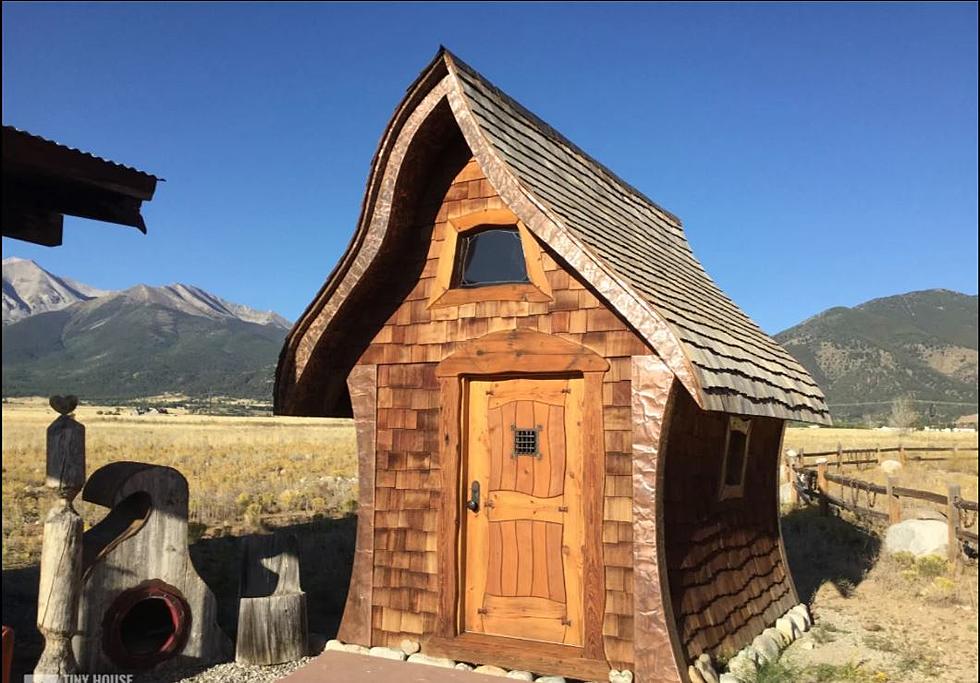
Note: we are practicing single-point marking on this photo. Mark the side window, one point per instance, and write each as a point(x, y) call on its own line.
point(736, 459)
point(489, 256)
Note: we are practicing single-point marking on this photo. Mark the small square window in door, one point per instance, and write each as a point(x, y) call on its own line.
point(526, 441)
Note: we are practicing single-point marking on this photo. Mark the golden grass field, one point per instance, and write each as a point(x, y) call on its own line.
point(235, 466)
point(289, 468)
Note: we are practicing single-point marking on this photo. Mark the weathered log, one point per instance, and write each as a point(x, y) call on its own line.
point(272, 624)
point(273, 629)
point(57, 602)
point(61, 548)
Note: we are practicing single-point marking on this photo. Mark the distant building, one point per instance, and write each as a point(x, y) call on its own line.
point(967, 422)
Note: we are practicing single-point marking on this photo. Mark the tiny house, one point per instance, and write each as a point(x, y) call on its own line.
point(568, 436)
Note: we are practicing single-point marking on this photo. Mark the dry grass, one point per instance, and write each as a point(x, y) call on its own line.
point(236, 466)
point(826, 439)
point(926, 475)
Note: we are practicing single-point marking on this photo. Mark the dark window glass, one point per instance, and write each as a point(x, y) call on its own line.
point(490, 257)
point(735, 458)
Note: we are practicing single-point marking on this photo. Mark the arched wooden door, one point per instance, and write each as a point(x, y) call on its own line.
point(523, 529)
point(520, 556)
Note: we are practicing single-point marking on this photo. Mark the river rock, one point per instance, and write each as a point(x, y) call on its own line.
point(804, 614)
point(490, 670)
point(409, 646)
point(617, 676)
point(767, 646)
point(743, 668)
point(356, 649)
point(786, 626)
point(387, 653)
point(520, 675)
point(781, 639)
point(706, 668)
point(550, 679)
point(890, 466)
point(463, 666)
point(798, 621)
point(444, 662)
point(920, 537)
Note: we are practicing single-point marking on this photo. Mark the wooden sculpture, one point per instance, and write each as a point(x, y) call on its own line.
point(61, 550)
point(143, 605)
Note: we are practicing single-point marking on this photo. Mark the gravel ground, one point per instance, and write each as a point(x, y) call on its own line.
point(227, 673)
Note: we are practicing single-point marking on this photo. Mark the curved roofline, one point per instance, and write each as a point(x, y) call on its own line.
point(418, 103)
point(752, 393)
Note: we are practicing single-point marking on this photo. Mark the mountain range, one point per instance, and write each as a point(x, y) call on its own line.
point(61, 336)
point(921, 344)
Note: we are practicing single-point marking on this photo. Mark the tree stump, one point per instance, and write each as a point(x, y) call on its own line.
point(272, 623)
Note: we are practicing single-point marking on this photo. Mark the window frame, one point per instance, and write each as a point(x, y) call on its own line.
point(725, 490)
point(443, 293)
point(465, 239)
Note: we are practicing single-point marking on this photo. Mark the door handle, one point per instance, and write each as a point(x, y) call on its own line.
point(473, 504)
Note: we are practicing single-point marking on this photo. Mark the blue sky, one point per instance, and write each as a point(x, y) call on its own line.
point(819, 154)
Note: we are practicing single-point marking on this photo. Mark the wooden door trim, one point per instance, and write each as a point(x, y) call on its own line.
point(499, 355)
point(520, 351)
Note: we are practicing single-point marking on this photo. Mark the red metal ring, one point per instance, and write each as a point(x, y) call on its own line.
point(112, 635)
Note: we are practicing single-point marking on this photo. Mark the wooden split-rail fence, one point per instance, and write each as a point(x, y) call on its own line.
point(812, 482)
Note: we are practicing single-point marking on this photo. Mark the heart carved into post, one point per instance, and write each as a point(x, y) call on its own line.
point(63, 404)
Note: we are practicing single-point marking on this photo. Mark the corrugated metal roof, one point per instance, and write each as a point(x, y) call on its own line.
point(25, 134)
point(740, 368)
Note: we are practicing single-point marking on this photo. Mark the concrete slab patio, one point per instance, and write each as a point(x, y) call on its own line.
point(334, 666)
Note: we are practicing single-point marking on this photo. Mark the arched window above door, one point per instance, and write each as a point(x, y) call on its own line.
point(488, 256)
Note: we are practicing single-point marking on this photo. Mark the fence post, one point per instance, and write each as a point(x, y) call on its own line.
point(822, 484)
point(894, 502)
point(840, 455)
point(878, 453)
point(901, 454)
point(789, 466)
point(953, 521)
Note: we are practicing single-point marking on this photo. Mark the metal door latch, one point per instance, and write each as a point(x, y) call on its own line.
point(473, 504)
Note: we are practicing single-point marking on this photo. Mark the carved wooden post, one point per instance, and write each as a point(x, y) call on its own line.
point(894, 502)
point(953, 521)
point(61, 550)
point(822, 484)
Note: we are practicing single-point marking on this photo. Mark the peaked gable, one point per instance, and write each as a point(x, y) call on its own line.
point(633, 252)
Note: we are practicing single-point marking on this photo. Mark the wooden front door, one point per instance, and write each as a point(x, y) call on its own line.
point(522, 555)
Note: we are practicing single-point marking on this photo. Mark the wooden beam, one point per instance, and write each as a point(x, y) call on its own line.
point(21, 222)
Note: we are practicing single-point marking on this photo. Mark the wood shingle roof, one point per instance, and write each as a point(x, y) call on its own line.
point(739, 367)
point(632, 251)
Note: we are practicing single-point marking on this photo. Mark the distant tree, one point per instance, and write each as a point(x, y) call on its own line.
point(904, 416)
